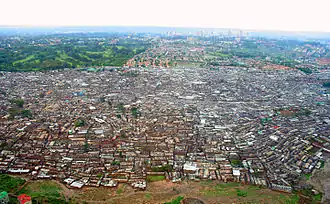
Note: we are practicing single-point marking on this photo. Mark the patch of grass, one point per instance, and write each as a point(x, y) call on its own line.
point(10, 183)
point(251, 202)
point(292, 199)
point(28, 58)
point(241, 193)
point(120, 190)
point(148, 196)
point(236, 163)
point(308, 176)
point(317, 197)
point(120, 47)
point(153, 178)
point(219, 54)
point(222, 189)
point(42, 188)
point(108, 53)
point(309, 193)
point(215, 192)
point(115, 163)
point(176, 200)
point(86, 57)
point(44, 191)
point(206, 182)
point(256, 188)
point(228, 185)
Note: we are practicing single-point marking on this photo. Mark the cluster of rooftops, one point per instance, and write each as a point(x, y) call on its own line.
point(102, 128)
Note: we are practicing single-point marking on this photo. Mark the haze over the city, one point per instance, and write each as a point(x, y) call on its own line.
point(293, 15)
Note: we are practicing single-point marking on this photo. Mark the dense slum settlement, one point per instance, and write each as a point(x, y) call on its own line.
point(86, 128)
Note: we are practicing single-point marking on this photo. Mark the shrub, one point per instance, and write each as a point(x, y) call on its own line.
point(17, 102)
point(241, 193)
point(79, 122)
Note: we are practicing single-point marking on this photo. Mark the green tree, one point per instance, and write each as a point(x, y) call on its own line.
point(26, 113)
point(121, 107)
point(79, 122)
point(135, 112)
point(86, 146)
point(326, 84)
point(17, 102)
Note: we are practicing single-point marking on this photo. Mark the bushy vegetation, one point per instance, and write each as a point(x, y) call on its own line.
point(309, 193)
point(236, 163)
point(115, 163)
point(26, 113)
point(306, 70)
point(86, 146)
point(121, 107)
point(68, 51)
point(79, 122)
point(135, 112)
point(9, 183)
point(17, 102)
point(308, 176)
point(241, 193)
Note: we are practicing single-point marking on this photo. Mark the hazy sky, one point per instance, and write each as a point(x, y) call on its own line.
point(291, 15)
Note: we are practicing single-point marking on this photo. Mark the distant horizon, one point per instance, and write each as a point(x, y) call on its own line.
point(279, 15)
point(159, 26)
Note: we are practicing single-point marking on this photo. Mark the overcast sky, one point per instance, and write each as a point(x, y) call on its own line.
point(247, 14)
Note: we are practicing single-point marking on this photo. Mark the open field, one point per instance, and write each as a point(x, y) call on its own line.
point(44, 191)
point(208, 191)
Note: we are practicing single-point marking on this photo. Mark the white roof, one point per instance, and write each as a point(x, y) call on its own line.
point(98, 132)
point(236, 172)
point(273, 137)
point(68, 180)
point(77, 184)
point(190, 166)
point(19, 170)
